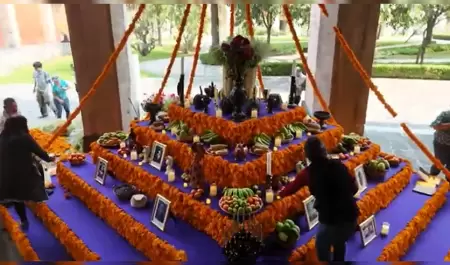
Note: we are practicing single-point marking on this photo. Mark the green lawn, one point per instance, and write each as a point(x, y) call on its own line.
point(161, 53)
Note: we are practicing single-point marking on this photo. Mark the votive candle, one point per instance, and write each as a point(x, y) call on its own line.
point(218, 113)
point(269, 196)
point(196, 139)
point(208, 201)
point(277, 141)
point(357, 149)
point(213, 190)
point(298, 134)
point(133, 155)
point(254, 114)
point(171, 176)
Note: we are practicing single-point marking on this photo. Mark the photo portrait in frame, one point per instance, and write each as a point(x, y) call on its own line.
point(368, 230)
point(101, 170)
point(157, 155)
point(361, 179)
point(160, 212)
point(312, 216)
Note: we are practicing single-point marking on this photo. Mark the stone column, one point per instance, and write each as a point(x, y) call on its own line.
point(48, 23)
point(92, 42)
point(9, 26)
point(340, 84)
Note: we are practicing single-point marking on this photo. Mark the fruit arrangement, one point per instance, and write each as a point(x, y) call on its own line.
point(287, 232)
point(112, 139)
point(77, 159)
point(349, 142)
point(376, 169)
point(211, 138)
point(182, 131)
point(218, 149)
point(261, 143)
point(311, 125)
point(240, 201)
point(392, 160)
point(197, 193)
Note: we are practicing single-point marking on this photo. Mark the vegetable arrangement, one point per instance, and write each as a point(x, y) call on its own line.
point(287, 232)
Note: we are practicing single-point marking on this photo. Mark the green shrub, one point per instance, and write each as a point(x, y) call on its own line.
point(441, 36)
point(408, 71)
point(412, 50)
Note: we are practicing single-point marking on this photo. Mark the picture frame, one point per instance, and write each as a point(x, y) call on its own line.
point(312, 216)
point(368, 230)
point(361, 178)
point(160, 212)
point(157, 155)
point(101, 170)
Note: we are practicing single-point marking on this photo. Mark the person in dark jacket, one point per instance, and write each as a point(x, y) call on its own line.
point(21, 178)
point(334, 189)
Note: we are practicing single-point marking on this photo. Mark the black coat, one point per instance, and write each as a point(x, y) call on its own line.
point(20, 179)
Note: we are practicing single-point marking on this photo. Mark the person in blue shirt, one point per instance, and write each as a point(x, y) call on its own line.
point(60, 96)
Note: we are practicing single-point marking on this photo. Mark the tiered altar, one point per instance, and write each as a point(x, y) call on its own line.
point(86, 219)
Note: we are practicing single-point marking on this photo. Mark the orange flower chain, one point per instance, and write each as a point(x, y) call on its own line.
point(187, 10)
point(311, 78)
point(111, 61)
point(232, 11)
point(447, 258)
point(197, 49)
point(251, 33)
point(366, 78)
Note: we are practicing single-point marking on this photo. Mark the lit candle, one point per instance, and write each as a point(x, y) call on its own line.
point(218, 113)
point(277, 141)
point(208, 201)
point(309, 134)
point(254, 113)
point(357, 149)
point(134, 155)
point(182, 65)
point(269, 163)
point(140, 163)
point(125, 156)
point(278, 197)
point(269, 196)
point(163, 131)
point(196, 139)
point(352, 154)
point(385, 229)
point(294, 69)
point(275, 149)
point(284, 106)
point(174, 130)
point(298, 134)
point(213, 190)
point(185, 185)
point(171, 176)
point(187, 103)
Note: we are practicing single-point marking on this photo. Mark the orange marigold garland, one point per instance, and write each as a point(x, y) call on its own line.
point(324, 10)
point(447, 258)
point(401, 243)
point(19, 238)
point(251, 33)
point(58, 147)
point(232, 11)
point(111, 62)
point(187, 10)
point(197, 49)
point(134, 232)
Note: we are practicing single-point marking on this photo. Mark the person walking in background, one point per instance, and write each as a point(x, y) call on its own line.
point(60, 98)
point(42, 83)
point(21, 179)
point(441, 141)
point(9, 110)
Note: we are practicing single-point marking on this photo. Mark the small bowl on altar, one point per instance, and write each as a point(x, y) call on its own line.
point(322, 116)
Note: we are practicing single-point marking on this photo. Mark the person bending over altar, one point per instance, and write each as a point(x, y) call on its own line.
point(334, 188)
point(441, 141)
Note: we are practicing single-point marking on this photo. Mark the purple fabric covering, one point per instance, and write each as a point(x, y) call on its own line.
point(177, 233)
point(97, 235)
point(46, 246)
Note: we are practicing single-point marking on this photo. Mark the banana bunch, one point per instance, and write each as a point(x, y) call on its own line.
point(210, 137)
point(297, 126)
point(262, 139)
point(241, 193)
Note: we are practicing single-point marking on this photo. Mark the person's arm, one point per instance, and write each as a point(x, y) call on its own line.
point(55, 94)
point(347, 180)
point(34, 148)
point(35, 83)
point(300, 180)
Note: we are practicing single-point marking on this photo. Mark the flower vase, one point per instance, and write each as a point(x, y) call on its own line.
point(248, 82)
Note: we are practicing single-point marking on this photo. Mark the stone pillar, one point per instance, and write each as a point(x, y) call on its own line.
point(48, 23)
point(9, 27)
point(340, 84)
point(92, 43)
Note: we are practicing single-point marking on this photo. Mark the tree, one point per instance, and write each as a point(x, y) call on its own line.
point(144, 33)
point(160, 15)
point(262, 14)
point(215, 36)
point(301, 14)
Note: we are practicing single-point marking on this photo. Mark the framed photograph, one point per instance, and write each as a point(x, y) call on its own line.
point(312, 216)
point(157, 155)
point(160, 212)
point(368, 230)
point(101, 171)
point(361, 179)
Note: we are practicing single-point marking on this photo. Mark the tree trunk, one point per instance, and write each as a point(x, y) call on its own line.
point(380, 26)
point(269, 33)
point(215, 36)
point(158, 25)
point(283, 27)
point(428, 36)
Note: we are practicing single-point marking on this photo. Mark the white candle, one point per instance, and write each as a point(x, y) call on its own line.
point(196, 139)
point(294, 68)
point(185, 185)
point(218, 113)
point(163, 131)
point(357, 149)
point(254, 113)
point(213, 190)
point(284, 106)
point(298, 134)
point(208, 201)
point(269, 163)
point(134, 155)
point(187, 103)
point(182, 65)
point(171, 176)
point(269, 196)
point(277, 141)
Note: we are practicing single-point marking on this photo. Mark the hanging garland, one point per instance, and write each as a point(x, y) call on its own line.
point(187, 10)
point(111, 61)
point(251, 33)
point(232, 11)
point(197, 49)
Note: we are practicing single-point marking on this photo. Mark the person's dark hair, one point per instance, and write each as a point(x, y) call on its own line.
point(15, 126)
point(315, 150)
point(37, 65)
point(8, 101)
